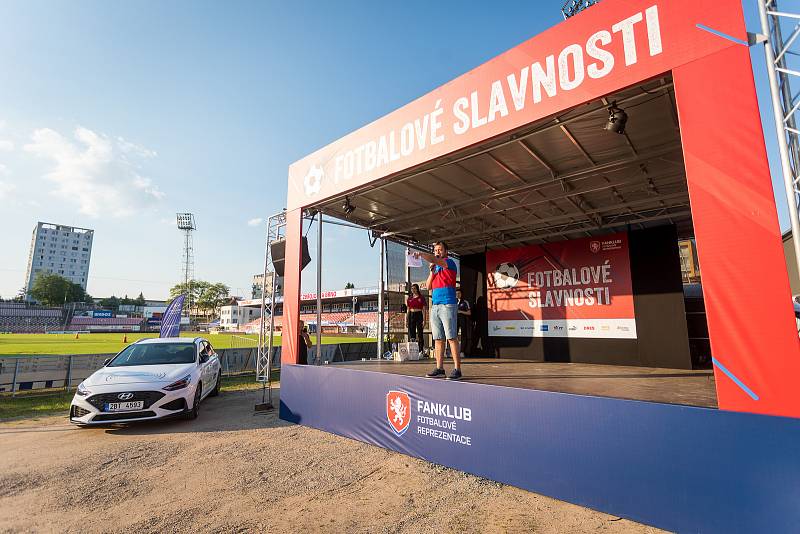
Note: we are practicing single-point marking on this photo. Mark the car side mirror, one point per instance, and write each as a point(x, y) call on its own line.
point(107, 361)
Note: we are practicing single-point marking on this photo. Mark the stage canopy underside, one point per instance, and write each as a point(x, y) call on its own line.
point(561, 178)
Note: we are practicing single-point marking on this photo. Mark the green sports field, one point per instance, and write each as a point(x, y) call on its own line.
point(14, 344)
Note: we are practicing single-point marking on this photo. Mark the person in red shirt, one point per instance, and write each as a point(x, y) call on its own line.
point(444, 308)
point(416, 316)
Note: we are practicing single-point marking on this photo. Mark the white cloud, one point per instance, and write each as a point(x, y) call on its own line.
point(99, 174)
point(133, 149)
point(146, 185)
point(3, 169)
point(6, 189)
point(5, 144)
point(255, 222)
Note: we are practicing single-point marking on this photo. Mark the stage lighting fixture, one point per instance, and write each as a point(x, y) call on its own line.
point(347, 207)
point(617, 119)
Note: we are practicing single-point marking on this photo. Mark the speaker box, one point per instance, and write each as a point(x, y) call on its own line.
point(278, 253)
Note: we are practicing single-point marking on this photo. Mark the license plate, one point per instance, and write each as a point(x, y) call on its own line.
point(123, 406)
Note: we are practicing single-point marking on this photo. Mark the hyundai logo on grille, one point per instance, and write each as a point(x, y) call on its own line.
point(125, 396)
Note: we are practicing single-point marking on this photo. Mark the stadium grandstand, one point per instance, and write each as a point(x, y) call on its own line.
point(346, 311)
point(107, 324)
point(24, 318)
point(334, 322)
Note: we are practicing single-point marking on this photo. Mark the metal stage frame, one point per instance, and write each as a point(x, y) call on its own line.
point(778, 51)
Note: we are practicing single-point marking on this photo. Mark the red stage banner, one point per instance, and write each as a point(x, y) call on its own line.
point(578, 288)
point(618, 44)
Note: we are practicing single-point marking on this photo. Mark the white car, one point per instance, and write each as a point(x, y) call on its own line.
point(149, 379)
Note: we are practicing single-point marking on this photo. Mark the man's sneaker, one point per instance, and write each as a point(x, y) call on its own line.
point(455, 374)
point(435, 373)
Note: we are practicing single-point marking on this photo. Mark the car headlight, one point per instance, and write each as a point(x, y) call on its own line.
point(82, 391)
point(180, 384)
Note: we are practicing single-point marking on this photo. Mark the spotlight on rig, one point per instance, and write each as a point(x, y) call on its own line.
point(617, 119)
point(347, 207)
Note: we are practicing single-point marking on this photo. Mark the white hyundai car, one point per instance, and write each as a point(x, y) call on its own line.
point(149, 379)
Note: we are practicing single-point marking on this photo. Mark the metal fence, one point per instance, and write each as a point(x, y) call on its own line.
point(23, 373)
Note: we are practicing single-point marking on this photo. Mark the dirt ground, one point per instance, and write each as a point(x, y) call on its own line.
point(234, 471)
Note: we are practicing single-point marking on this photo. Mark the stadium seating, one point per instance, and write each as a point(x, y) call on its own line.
point(328, 318)
point(21, 311)
point(361, 319)
point(20, 318)
point(106, 323)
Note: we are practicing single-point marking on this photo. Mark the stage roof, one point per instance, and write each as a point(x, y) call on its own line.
point(562, 177)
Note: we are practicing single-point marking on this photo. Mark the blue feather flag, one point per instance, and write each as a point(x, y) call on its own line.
point(171, 321)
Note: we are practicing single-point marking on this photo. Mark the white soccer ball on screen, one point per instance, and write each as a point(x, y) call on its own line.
point(313, 180)
point(506, 275)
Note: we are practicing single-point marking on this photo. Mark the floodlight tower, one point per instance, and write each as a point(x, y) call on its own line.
point(187, 224)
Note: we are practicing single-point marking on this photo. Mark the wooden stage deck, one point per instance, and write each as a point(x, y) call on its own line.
point(673, 386)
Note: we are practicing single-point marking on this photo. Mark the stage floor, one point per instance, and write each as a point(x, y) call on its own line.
point(673, 386)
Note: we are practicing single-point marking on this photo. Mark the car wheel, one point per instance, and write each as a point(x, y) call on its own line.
point(215, 391)
point(195, 410)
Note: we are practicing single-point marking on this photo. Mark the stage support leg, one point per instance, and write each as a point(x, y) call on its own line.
point(751, 323)
point(381, 287)
point(291, 286)
point(319, 288)
point(407, 287)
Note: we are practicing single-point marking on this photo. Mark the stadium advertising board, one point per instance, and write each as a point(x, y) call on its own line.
point(324, 295)
point(363, 291)
point(101, 313)
point(579, 288)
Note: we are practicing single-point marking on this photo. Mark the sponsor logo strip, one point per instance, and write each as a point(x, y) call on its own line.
point(583, 328)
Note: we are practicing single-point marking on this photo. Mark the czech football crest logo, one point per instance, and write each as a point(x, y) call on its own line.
point(398, 411)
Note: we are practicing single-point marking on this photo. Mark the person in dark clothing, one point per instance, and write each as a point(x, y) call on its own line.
point(304, 344)
point(416, 317)
point(481, 330)
point(464, 322)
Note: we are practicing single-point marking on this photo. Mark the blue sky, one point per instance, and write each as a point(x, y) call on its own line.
point(117, 115)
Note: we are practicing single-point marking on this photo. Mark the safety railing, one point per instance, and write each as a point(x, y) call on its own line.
point(23, 373)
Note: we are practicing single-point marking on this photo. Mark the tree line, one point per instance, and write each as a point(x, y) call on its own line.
point(205, 297)
point(51, 289)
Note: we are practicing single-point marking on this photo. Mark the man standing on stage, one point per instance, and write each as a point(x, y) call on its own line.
point(444, 308)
